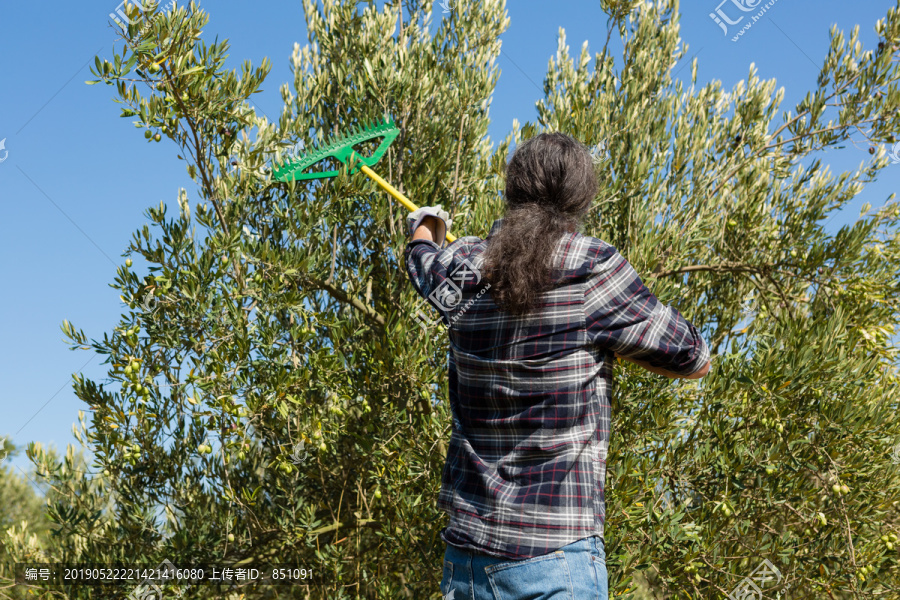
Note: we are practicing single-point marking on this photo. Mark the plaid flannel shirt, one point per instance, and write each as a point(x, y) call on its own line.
point(530, 395)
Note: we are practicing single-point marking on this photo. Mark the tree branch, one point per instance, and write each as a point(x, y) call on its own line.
point(342, 296)
point(725, 267)
point(462, 122)
point(769, 145)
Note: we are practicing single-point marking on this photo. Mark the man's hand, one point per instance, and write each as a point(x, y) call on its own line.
point(659, 371)
point(435, 220)
point(430, 229)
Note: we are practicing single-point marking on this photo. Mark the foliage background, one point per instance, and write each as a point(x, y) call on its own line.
point(286, 319)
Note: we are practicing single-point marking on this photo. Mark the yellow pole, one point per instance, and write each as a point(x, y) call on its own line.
point(396, 194)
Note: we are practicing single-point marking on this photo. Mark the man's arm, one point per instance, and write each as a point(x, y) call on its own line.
point(421, 257)
point(429, 230)
point(625, 318)
point(659, 371)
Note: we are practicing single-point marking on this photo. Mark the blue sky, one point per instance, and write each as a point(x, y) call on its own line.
point(75, 178)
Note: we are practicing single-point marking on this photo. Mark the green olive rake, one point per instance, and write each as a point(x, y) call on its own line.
point(342, 149)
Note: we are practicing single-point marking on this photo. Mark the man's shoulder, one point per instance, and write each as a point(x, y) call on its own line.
point(596, 246)
point(578, 251)
point(574, 251)
point(470, 248)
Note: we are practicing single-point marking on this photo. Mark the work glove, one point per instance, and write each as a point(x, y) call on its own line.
point(416, 217)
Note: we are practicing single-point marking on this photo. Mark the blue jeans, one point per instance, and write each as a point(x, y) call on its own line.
point(574, 572)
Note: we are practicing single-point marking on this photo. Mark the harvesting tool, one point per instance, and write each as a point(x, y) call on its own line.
point(342, 149)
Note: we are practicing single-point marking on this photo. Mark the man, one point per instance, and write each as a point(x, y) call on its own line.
point(537, 313)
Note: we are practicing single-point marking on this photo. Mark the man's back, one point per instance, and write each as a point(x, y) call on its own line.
point(531, 394)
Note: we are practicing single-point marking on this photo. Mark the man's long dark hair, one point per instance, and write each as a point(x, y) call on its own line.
point(550, 184)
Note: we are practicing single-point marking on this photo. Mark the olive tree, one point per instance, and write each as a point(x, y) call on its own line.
point(720, 199)
point(271, 397)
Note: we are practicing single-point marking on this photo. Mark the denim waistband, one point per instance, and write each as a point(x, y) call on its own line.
point(586, 544)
